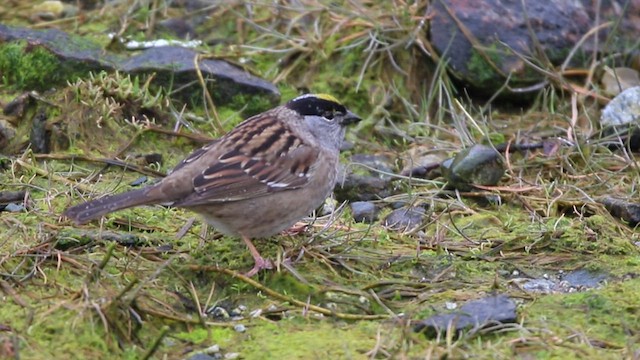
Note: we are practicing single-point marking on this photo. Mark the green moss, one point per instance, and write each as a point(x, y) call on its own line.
point(604, 314)
point(63, 331)
point(594, 235)
point(495, 138)
point(309, 339)
point(24, 66)
point(221, 336)
point(483, 72)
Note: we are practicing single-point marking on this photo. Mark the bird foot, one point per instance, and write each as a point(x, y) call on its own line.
point(260, 264)
point(297, 229)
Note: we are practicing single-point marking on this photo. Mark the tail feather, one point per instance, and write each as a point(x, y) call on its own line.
point(94, 209)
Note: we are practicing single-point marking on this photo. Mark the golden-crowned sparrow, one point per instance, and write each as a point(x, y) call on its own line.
point(257, 180)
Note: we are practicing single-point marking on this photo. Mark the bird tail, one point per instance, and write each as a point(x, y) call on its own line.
point(94, 209)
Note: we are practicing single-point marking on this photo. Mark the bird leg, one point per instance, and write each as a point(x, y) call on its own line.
point(260, 262)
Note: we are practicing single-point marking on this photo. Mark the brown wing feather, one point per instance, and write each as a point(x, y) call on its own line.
point(244, 169)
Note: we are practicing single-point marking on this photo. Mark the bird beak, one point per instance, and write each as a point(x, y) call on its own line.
point(350, 118)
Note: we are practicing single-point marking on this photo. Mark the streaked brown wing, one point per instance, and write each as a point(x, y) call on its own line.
point(259, 157)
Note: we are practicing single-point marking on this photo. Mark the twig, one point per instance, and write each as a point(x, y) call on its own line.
point(216, 118)
point(93, 275)
point(277, 295)
point(185, 320)
point(10, 291)
point(156, 343)
point(47, 174)
point(112, 162)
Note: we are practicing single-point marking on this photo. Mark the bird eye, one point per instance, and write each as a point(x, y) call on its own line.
point(328, 115)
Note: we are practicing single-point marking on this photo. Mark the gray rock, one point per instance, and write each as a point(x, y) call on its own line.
point(172, 63)
point(584, 278)
point(542, 286)
point(473, 315)
point(78, 56)
point(364, 211)
point(12, 196)
point(405, 219)
point(620, 120)
point(39, 137)
point(622, 209)
point(476, 165)
point(500, 29)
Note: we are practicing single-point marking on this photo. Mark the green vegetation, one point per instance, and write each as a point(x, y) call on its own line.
point(24, 66)
point(27, 68)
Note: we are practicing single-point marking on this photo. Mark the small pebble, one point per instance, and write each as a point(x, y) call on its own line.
point(404, 219)
point(235, 312)
point(619, 120)
point(450, 305)
point(231, 355)
point(364, 211)
point(240, 328)
point(330, 205)
point(212, 349)
point(542, 286)
point(332, 306)
point(13, 207)
point(218, 312)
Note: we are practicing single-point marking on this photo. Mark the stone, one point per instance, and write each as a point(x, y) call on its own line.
point(405, 219)
point(476, 165)
point(499, 29)
point(620, 120)
point(473, 315)
point(364, 211)
point(622, 209)
point(73, 56)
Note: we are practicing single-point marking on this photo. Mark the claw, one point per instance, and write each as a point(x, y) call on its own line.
point(260, 262)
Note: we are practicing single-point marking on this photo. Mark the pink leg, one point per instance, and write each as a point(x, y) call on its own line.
point(260, 262)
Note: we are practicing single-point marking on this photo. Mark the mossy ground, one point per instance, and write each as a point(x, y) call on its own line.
point(341, 290)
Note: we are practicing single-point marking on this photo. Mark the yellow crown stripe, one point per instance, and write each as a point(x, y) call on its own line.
point(328, 98)
point(325, 97)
